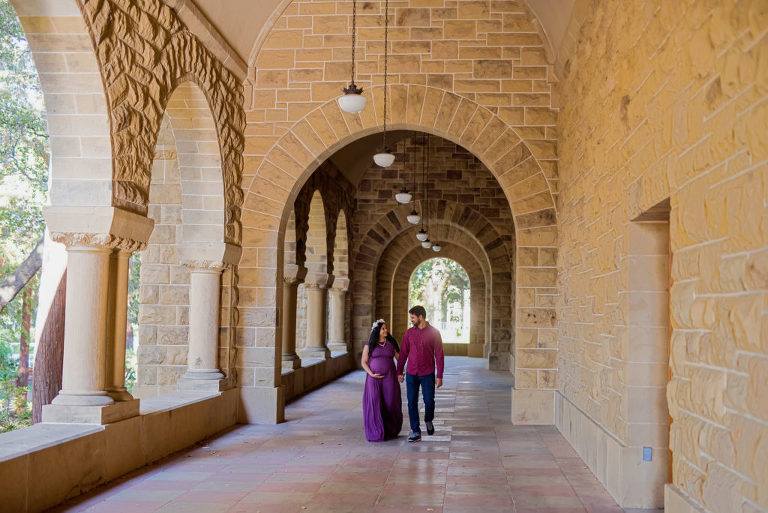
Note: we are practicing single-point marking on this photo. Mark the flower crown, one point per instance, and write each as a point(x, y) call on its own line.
point(376, 323)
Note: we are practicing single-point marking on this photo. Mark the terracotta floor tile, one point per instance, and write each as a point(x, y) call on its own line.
point(318, 461)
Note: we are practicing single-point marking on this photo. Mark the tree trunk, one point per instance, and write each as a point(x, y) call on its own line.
point(14, 282)
point(22, 379)
point(49, 358)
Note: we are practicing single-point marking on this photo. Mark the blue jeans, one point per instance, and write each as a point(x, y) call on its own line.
point(427, 384)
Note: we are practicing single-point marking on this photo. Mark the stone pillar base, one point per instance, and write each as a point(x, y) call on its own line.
point(498, 361)
point(315, 353)
point(120, 395)
point(337, 346)
point(79, 414)
point(261, 405)
point(202, 382)
point(533, 407)
point(291, 362)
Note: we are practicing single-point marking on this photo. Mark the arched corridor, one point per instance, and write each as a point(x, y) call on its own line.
point(319, 461)
point(599, 169)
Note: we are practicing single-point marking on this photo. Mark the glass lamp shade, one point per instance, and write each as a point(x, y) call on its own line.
point(413, 217)
point(384, 159)
point(426, 244)
point(422, 235)
point(352, 103)
point(436, 247)
point(403, 197)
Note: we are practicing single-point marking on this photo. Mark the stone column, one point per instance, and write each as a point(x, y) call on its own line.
point(292, 277)
point(89, 321)
point(203, 358)
point(336, 298)
point(316, 287)
point(118, 313)
point(91, 234)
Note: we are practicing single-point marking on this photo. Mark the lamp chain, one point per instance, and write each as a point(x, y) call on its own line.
point(354, 38)
point(386, 34)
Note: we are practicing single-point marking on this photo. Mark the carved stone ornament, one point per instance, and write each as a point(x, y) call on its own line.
point(145, 52)
point(205, 265)
point(98, 240)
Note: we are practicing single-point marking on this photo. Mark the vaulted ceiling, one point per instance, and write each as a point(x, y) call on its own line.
point(241, 22)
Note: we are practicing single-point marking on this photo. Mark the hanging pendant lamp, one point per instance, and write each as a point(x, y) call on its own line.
point(413, 217)
point(385, 158)
point(422, 235)
point(436, 247)
point(426, 244)
point(403, 197)
point(353, 100)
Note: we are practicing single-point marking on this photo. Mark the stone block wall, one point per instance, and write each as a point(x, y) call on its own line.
point(164, 292)
point(668, 100)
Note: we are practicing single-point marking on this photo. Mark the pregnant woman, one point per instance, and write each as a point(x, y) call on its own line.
point(382, 406)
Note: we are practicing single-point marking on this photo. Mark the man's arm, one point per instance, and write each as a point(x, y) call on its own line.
point(439, 359)
point(404, 349)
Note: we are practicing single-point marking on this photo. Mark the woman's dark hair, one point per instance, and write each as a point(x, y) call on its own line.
point(374, 339)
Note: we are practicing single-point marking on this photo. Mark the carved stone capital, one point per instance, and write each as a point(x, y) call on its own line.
point(98, 227)
point(98, 240)
point(318, 281)
point(205, 265)
point(340, 284)
point(293, 274)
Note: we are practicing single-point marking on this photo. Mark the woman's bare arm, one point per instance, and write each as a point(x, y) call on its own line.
point(364, 364)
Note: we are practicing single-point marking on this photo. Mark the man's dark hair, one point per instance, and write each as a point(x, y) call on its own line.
point(418, 311)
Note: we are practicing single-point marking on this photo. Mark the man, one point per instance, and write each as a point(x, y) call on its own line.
point(422, 348)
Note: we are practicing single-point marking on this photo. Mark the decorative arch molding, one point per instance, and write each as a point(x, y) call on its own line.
point(132, 60)
point(290, 159)
point(338, 196)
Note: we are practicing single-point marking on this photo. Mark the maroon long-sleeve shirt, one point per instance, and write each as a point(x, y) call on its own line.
point(422, 348)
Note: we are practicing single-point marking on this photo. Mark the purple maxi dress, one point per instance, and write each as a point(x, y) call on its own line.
point(382, 406)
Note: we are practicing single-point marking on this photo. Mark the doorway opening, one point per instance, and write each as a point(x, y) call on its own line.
point(442, 286)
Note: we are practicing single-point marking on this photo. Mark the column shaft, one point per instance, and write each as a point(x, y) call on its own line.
point(203, 356)
point(316, 322)
point(290, 292)
point(119, 263)
point(336, 339)
point(85, 331)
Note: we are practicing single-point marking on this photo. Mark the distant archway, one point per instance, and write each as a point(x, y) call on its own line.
point(443, 287)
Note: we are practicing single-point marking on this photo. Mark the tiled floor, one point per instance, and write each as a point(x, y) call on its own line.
point(319, 461)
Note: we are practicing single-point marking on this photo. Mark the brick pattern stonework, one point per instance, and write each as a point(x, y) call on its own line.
point(669, 100)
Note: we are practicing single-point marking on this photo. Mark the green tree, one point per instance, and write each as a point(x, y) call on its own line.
point(23, 185)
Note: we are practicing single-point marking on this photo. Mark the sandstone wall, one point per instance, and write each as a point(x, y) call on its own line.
point(668, 100)
point(473, 72)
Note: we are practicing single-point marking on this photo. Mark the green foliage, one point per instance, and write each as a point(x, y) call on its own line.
point(15, 409)
point(130, 369)
point(23, 185)
point(442, 287)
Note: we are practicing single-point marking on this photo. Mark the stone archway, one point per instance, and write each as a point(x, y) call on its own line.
point(309, 142)
point(480, 287)
point(379, 262)
point(186, 202)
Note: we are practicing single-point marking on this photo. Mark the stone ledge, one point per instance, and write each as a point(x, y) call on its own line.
point(634, 483)
point(41, 436)
point(74, 458)
point(675, 501)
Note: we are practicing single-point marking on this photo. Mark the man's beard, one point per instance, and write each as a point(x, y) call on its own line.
point(415, 323)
